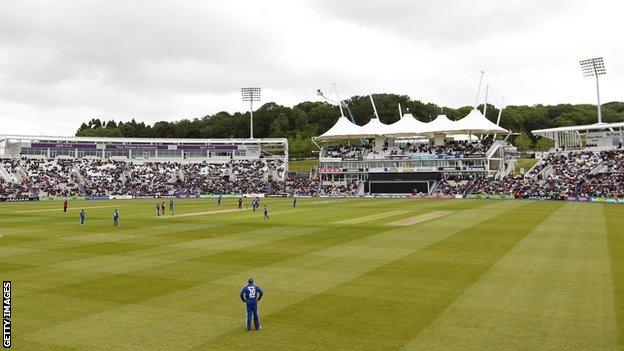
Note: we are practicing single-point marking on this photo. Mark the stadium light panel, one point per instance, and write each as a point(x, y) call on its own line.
point(594, 67)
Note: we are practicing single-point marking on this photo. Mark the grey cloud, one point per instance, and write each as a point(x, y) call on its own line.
point(457, 21)
point(159, 46)
point(77, 59)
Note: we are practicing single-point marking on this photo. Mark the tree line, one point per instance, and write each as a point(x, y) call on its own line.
point(307, 119)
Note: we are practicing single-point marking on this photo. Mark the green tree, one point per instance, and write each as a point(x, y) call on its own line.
point(523, 143)
point(545, 144)
point(279, 127)
point(312, 118)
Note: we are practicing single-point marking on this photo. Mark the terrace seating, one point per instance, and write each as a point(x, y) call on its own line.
point(584, 173)
point(454, 149)
point(96, 177)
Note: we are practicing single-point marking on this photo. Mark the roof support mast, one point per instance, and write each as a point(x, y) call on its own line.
point(374, 107)
point(339, 101)
point(487, 89)
point(479, 90)
point(500, 112)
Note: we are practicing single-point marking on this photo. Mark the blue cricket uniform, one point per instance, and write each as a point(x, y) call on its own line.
point(250, 295)
point(82, 217)
point(116, 218)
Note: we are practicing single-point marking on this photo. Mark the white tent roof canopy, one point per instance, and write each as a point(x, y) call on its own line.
point(343, 129)
point(406, 126)
point(477, 123)
point(374, 128)
point(440, 125)
point(474, 123)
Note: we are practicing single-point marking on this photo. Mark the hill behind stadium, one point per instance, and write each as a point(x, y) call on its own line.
point(309, 119)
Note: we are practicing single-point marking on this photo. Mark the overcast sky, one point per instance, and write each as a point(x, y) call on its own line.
point(64, 62)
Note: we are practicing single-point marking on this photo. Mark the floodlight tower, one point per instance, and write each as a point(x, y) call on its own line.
point(251, 95)
point(594, 67)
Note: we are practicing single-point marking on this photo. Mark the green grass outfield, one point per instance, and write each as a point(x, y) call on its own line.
point(337, 275)
point(302, 165)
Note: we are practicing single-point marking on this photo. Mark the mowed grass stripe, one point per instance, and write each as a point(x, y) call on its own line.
point(204, 305)
point(55, 209)
point(552, 291)
point(385, 308)
point(36, 249)
point(170, 261)
point(133, 260)
point(294, 283)
point(372, 217)
point(223, 309)
point(615, 228)
point(194, 214)
point(229, 236)
point(122, 255)
point(131, 292)
point(419, 218)
point(166, 276)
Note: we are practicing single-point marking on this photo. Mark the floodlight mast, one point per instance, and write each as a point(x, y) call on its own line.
point(251, 94)
point(594, 67)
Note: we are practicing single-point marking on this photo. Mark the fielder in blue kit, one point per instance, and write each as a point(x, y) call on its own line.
point(251, 295)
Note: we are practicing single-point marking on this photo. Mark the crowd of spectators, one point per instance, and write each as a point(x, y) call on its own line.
point(454, 149)
point(103, 177)
point(97, 177)
point(50, 177)
point(557, 176)
point(152, 178)
point(13, 190)
point(302, 187)
point(344, 151)
point(457, 149)
point(339, 188)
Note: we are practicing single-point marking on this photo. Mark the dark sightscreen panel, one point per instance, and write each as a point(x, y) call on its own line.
point(403, 176)
point(398, 188)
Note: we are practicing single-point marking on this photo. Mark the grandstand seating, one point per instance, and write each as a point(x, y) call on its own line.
point(96, 177)
point(455, 149)
point(562, 175)
point(559, 175)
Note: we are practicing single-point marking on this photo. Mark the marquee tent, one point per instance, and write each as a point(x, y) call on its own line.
point(374, 128)
point(342, 129)
point(474, 123)
point(407, 126)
